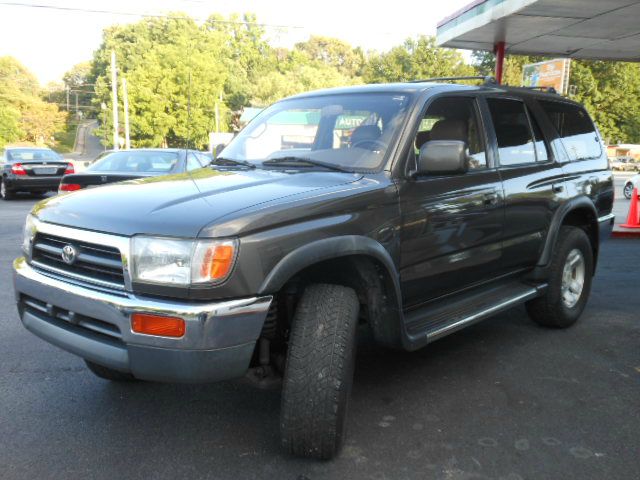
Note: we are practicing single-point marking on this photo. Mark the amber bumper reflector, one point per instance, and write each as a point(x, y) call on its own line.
point(158, 325)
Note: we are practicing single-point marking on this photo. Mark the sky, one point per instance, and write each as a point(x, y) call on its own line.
point(49, 42)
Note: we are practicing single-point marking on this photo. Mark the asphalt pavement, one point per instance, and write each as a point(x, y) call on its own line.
point(87, 146)
point(504, 399)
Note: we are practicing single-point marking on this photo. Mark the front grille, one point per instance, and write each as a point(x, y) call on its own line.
point(71, 321)
point(97, 264)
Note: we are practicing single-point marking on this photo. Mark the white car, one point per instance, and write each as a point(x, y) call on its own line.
point(633, 182)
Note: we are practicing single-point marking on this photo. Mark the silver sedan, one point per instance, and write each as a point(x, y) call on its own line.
point(633, 182)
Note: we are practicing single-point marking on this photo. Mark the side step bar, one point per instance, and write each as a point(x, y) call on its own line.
point(437, 320)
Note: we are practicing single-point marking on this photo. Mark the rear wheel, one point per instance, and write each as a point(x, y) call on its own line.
point(108, 373)
point(5, 192)
point(569, 285)
point(319, 371)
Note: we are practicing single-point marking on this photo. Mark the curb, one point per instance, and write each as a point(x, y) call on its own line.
point(625, 233)
point(75, 141)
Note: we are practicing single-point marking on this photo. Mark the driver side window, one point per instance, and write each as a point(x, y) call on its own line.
point(454, 118)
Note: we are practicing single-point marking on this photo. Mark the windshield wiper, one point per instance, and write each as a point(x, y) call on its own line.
point(230, 162)
point(293, 161)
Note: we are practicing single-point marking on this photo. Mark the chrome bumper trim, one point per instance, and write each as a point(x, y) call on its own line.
point(212, 325)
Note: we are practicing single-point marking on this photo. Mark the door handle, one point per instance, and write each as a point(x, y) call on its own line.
point(557, 188)
point(490, 198)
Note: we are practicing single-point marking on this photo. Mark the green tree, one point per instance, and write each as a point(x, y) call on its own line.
point(9, 124)
point(24, 116)
point(334, 53)
point(79, 81)
point(246, 56)
point(418, 58)
point(174, 79)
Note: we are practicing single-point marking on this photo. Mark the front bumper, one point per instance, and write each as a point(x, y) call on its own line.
point(95, 324)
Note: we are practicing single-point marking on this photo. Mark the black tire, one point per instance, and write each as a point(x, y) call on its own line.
point(627, 191)
point(5, 192)
point(108, 373)
point(550, 310)
point(319, 371)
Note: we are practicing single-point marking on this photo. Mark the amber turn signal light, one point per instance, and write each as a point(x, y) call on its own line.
point(157, 325)
point(217, 262)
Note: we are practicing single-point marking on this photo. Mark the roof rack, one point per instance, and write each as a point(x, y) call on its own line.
point(488, 80)
point(543, 89)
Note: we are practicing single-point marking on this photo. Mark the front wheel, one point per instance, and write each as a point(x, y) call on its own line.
point(569, 285)
point(319, 371)
point(627, 191)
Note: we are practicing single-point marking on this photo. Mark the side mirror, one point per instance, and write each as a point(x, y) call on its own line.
point(443, 157)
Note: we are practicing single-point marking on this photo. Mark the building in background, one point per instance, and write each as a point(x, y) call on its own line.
point(627, 150)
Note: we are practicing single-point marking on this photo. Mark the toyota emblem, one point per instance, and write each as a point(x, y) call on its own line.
point(69, 254)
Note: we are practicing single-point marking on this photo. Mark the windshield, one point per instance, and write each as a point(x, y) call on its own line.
point(135, 161)
point(33, 155)
point(353, 131)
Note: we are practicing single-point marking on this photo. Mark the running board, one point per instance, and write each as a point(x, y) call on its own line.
point(450, 315)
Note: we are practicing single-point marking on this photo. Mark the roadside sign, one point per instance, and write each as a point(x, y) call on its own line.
point(552, 73)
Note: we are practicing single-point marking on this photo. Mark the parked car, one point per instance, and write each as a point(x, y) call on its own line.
point(411, 209)
point(630, 184)
point(117, 166)
point(31, 169)
point(624, 164)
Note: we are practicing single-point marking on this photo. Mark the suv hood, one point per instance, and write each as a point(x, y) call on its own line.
point(180, 205)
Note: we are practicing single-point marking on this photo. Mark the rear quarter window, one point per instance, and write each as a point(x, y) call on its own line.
point(576, 129)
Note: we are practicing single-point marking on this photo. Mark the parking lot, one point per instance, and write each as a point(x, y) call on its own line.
point(504, 399)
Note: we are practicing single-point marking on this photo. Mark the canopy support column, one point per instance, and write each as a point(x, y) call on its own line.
point(498, 49)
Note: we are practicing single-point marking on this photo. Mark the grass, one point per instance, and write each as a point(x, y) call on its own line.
point(66, 138)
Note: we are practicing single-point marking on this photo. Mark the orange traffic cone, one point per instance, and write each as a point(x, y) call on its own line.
point(633, 219)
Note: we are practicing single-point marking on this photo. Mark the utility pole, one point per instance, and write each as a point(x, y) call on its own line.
point(114, 94)
point(103, 107)
point(76, 103)
point(125, 99)
point(217, 115)
point(67, 98)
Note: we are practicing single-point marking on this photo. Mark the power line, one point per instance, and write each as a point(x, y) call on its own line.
point(151, 15)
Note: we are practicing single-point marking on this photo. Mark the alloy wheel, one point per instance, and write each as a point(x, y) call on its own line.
point(573, 276)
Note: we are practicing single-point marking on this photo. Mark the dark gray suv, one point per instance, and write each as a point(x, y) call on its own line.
point(411, 209)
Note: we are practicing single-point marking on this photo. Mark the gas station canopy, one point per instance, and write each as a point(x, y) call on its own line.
point(589, 29)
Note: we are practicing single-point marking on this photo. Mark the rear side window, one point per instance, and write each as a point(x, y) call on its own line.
point(513, 132)
point(149, 161)
point(576, 129)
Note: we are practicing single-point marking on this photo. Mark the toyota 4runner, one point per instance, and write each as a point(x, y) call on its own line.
point(414, 209)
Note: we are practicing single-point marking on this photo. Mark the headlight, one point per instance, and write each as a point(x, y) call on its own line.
point(170, 261)
point(28, 234)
